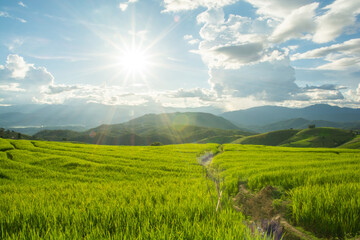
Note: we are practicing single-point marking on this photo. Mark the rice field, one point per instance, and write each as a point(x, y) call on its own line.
point(51, 190)
point(322, 185)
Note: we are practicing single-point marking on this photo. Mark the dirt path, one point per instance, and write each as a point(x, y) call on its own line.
point(259, 206)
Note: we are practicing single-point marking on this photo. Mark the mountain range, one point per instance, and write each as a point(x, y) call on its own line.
point(260, 116)
point(172, 128)
point(30, 119)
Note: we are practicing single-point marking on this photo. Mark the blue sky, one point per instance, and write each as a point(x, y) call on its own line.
point(185, 53)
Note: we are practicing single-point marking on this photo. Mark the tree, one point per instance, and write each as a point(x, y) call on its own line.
point(311, 126)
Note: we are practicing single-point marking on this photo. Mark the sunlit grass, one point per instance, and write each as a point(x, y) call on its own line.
point(51, 190)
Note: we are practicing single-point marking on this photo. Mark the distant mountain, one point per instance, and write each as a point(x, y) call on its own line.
point(188, 118)
point(84, 115)
point(170, 128)
point(264, 115)
point(311, 137)
point(301, 123)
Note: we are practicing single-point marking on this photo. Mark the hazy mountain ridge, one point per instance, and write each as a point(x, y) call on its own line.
point(84, 115)
point(259, 116)
point(170, 128)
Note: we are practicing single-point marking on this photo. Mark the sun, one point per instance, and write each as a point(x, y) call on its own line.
point(134, 60)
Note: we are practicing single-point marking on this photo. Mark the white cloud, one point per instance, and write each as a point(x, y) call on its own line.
point(191, 40)
point(17, 66)
point(351, 63)
point(21, 81)
point(188, 37)
point(271, 81)
point(22, 20)
point(4, 14)
point(350, 47)
point(300, 21)
point(14, 44)
point(56, 89)
point(12, 87)
point(7, 15)
point(124, 5)
point(277, 8)
point(202, 94)
point(184, 5)
point(340, 14)
point(341, 56)
point(319, 95)
point(22, 4)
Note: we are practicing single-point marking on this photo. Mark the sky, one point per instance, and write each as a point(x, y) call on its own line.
point(229, 54)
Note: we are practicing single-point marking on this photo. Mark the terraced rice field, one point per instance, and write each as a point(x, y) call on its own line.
point(321, 186)
point(51, 190)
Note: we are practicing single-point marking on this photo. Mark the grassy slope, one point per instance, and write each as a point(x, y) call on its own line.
point(319, 137)
point(271, 139)
point(315, 137)
point(352, 144)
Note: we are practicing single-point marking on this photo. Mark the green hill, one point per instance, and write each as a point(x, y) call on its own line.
point(301, 123)
point(352, 144)
point(186, 119)
point(319, 137)
point(312, 137)
point(165, 128)
point(7, 133)
point(270, 139)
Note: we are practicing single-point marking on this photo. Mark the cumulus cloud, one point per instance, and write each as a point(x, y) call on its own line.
point(17, 66)
point(183, 5)
point(21, 81)
point(271, 81)
point(299, 21)
point(340, 14)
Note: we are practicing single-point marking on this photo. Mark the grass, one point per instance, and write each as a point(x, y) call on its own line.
point(322, 185)
point(53, 190)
